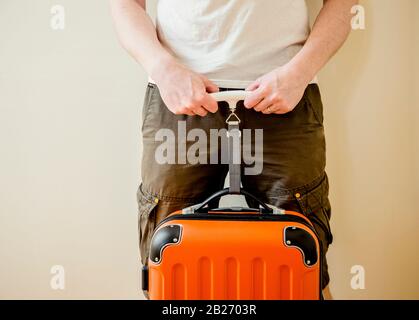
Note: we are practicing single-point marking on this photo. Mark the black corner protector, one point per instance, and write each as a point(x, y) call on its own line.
point(304, 241)
point(144, 278)
point(162, 238)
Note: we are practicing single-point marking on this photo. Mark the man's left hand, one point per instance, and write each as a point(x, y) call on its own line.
point(278, 91)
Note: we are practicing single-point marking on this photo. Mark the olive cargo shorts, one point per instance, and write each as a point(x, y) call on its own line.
point(293, 175)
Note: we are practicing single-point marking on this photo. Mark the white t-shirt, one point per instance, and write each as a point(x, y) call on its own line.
point(233, 42)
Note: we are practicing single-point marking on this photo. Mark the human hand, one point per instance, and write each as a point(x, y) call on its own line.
point(278, 91)
point(184, 91)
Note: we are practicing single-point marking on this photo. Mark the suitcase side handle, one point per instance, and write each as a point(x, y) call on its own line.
point(200, 208)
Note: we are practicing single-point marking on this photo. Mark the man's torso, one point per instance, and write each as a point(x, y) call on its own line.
point(233, 42)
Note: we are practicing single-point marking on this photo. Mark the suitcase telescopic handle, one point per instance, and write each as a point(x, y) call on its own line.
point(200, 208)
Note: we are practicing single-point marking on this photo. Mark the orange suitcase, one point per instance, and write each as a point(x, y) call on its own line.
point(233, 253)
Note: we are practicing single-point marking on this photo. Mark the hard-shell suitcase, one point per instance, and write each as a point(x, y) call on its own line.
point(233, 253)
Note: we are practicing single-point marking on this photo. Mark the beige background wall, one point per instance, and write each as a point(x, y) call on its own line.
point(70, 145)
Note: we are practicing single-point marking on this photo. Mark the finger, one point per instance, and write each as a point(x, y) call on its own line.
point(210, 86)
point(254, 98)
point(184, 111)
point(263, 105)
point(200, 111)
point(280, 111)
point(270, 109)
point(253, 86)
point(210, 104)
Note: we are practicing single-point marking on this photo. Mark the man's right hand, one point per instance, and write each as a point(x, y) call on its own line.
point(184, 91)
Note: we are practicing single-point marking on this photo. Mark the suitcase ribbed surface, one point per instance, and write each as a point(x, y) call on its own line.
point(230, 260)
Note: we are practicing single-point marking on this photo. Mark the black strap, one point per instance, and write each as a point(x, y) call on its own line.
point(234, 153)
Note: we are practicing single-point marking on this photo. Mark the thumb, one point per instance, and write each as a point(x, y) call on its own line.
point(253, 86)
point(210, 86)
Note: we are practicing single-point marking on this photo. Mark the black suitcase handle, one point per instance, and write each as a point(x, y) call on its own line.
point(201, 207)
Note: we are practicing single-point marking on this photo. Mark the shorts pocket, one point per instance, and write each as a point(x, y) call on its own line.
point(148, 98)
point(314, 204)
point(313, 100)
point(146, 221)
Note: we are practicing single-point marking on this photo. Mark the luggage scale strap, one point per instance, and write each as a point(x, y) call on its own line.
point(233, 135)
point(234, 152)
